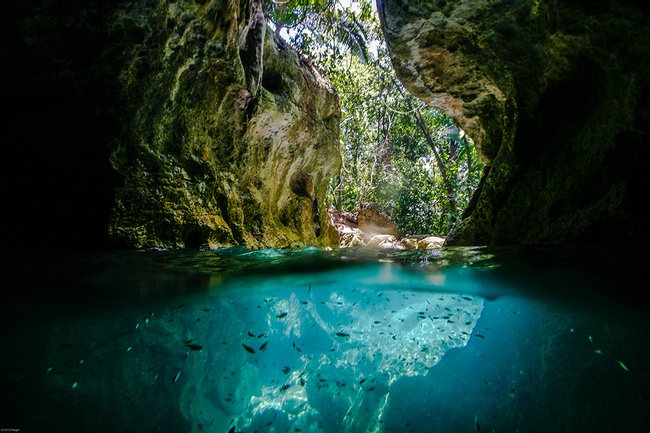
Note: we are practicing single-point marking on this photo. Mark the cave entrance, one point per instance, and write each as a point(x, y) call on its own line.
point(402, 160)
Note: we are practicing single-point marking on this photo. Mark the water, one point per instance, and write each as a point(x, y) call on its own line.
point(460, 340)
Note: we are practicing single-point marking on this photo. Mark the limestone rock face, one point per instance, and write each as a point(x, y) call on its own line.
point(189, 122)
point(551, 93)
point(234, 125)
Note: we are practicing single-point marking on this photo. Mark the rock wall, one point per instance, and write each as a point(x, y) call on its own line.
point(189, 120)
point(552, 93)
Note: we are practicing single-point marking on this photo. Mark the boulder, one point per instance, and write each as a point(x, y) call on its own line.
point(409, 243)
point(430, 242)
point(383, 241)
point(372, 222)
point(351, 237)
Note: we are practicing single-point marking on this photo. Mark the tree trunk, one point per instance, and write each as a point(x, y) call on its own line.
point(443, 171)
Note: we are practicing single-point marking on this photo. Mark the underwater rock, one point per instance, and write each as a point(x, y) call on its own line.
point(552, 95)
point(190, 117)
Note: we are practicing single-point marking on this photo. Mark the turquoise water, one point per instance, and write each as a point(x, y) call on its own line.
point(460, 340)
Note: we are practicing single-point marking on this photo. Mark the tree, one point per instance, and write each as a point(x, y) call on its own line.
point(404, 158)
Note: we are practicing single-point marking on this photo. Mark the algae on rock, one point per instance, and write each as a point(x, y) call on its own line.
point(222, 114)
point(551, 92)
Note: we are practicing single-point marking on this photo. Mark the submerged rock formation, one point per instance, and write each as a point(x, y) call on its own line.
point(207, 117)
point(552, 93)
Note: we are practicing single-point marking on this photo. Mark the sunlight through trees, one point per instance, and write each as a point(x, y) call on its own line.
point(401, 157)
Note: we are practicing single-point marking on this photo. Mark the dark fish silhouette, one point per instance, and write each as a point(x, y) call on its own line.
point(342, 334)
point(281, 315)
point(362, 380)
point(232, 429)
point(248, 348)
point(286, 369)
point(250, 334)
point(372, 388)
point(194, 346)
point(284, 387)
point(263, 346)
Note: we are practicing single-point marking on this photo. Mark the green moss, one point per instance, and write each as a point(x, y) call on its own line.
point(203, 160)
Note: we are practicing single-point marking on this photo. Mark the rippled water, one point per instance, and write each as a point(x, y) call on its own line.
point(459, 340)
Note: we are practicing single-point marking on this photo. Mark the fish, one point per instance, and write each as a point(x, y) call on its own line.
point(177, 376)
point(194, 346)
point(362, 380)
point(248, 348)
point(286, 369)
point(478, 426)
point(372, 388)
point(623, 366)
point(250, 334)
point(261, 335)
point(479, 336)
point(342, 334)
point(284, 387)
point(232, 429)
point(263, 346)
point(180, 306)
point(467, 298)
point(281, 315)
point(302, 382)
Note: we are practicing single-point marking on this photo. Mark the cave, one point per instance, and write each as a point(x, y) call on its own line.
point(553, 95)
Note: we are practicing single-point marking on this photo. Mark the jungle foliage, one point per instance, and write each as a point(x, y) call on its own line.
point(400, 156)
